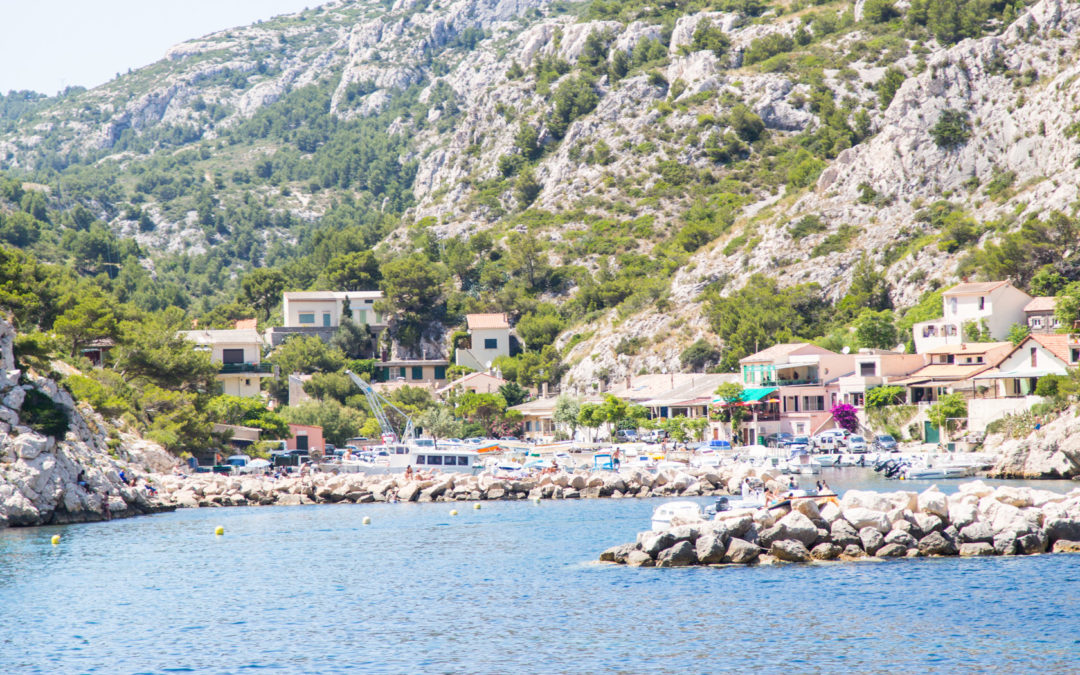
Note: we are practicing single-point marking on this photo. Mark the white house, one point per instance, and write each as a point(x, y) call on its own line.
point(1010, 388)
point(489, 338)
point(998, 304)
point(239, 352)
point(321, 312)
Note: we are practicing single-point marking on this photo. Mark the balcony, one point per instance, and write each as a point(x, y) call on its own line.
point(240, 368)
point(788, 383)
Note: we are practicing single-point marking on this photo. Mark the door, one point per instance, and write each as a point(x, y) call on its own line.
point(301, 443)
point(931, 434)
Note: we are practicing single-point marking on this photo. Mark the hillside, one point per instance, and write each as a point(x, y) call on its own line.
point(627, 178)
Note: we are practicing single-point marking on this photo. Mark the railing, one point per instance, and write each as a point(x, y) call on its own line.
point(787, 383)
point(230, 368)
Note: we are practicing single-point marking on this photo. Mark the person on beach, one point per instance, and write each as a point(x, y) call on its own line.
point(792, 485)
point(81, 480)
point(408, 472)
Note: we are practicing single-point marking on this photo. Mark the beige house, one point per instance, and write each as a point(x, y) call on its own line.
point(429, 373)
point(951, 370)
point(321, 312)
point(239, 353)
point(1040, 315)
point(489, 338)
point(876, 368)
point(997, 304)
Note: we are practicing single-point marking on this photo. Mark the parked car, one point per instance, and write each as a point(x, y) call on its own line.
point(628, 435)
point(799, 442)
point(830, 439)
point(778, 440)
point(886, 443)
point(857, 444)
point(654, 435)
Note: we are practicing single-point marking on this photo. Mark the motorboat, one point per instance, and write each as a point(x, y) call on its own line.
point(801, 463)
point(706, 457)
point(682, 511)
point(421, 454)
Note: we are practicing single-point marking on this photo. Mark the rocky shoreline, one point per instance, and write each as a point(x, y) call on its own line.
point(979, 520)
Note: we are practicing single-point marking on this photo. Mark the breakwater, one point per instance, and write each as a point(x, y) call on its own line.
point(211, 490)
point(978, 520)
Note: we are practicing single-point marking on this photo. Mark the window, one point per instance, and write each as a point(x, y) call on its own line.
point(1074, 355)
point(952, 305)
point(419, 459)
point(232, 355)
point(417, 372)
point(401, 372)
point(307, 317)
point(867, 369)
point(326, 319)
point(491, 343)
point(982, 303)
point(440, 372)
point(462, 461)
point(1034, 356)
point(1036, 322)
point(434, 459)
point(450, 461)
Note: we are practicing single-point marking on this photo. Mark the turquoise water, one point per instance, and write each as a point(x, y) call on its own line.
point(507, 589)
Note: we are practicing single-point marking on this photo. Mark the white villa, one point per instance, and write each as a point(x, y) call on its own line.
point(321, 312)
point(997, 303)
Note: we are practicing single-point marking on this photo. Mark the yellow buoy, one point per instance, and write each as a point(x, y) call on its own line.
point(366, 520)
point(537, 500)
point(219, 530)
point(476, 506)
point(453, 512)
point(56, 540)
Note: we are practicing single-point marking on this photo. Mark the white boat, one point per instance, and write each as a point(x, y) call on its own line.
point(706, 458)
point(935, 472)
point(829, 460)
point(684, 511)
point(422, 454)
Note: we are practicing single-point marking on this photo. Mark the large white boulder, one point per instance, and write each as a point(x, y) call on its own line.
point(862, 517)
point(934, 502)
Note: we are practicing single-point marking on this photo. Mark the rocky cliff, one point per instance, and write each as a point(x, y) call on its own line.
point(49, 479)
point(1052, 451)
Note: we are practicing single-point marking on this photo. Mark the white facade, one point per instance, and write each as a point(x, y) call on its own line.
point(997, 304)
point(239, 353)
point(324, 309)
point(490, 336)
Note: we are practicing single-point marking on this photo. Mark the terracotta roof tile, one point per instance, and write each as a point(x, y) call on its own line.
point(1042, 303)
point(975, 287)
point(486, 321)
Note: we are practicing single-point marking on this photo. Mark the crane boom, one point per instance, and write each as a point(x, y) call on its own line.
point(377, 404)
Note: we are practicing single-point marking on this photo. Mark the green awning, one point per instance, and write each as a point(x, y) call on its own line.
point(751, 395)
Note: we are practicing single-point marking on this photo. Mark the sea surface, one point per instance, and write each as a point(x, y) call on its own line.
point(510, 588)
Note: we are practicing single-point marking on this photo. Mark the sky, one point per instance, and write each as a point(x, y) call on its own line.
point(46, 45)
